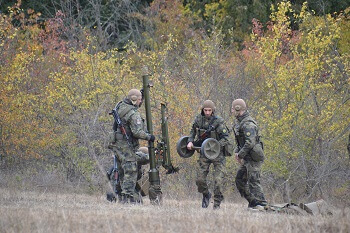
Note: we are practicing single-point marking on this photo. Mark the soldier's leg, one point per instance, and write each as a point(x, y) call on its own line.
point(202, 174)
point(254, 183)
point(219, 173)
point(201, 181)
point(129, 167)
point(242, 183)
point(129, 180)
point(120, 178)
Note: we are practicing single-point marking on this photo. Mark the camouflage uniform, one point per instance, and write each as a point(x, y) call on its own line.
point(142, 158)
point(249, 149)
point(126, 155)
point(200, 125)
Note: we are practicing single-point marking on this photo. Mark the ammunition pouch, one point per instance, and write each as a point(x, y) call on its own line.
point(115, 137)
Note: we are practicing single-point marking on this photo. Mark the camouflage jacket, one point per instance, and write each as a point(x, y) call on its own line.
point(201, 124)
point(249, 145)
point(133, 123)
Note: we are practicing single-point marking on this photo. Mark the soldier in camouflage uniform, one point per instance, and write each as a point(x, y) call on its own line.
point(249, 153)
point(142, 158)
point(126, 151)
point(202, 122)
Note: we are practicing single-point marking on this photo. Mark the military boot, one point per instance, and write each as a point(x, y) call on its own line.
point(132, 200)
point(206, 199)
point(111, 197)
point(124, 199)
point(216, 206)
point(120, 198)
point(254, 203)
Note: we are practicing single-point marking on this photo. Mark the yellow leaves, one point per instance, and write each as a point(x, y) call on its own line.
point(302, 86)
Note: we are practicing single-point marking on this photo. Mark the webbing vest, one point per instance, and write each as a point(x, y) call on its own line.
point(202, 128)
point(125, 114)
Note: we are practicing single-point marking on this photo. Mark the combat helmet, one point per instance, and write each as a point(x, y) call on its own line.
point(133, 95)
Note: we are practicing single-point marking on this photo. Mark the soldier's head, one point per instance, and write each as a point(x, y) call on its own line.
point(208, 108)
point(135, 97)
point(238, 107)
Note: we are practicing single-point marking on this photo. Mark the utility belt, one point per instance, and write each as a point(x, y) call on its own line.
point(117, 136)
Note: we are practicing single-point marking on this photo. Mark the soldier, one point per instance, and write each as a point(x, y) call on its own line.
point(249, 154)
point(203, 121)
point(126, 150)
point(142, 158)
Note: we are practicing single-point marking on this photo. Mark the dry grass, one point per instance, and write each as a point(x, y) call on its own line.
point(24, 211)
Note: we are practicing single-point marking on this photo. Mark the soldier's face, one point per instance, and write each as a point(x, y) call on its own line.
point(138, 101)
point(207, 111)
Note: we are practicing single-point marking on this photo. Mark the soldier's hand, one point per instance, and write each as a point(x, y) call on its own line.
point(189, 146)
point(152, 138)
point(239, 160)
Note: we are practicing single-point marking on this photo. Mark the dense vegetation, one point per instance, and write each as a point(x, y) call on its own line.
point(63, 67)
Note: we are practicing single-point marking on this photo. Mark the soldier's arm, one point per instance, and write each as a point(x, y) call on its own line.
point(249, 131)
point(193, 131)
point(236, 149)
point(136, 126)
point(223, 133)
point(235, 125)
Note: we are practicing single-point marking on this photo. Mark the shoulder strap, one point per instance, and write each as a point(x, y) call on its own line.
point(125, 111)
point(212, 121)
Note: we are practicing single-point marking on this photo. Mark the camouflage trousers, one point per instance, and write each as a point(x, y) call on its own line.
point(128, 169)
point(248, 181)
point(141, 159)
point(219, 172)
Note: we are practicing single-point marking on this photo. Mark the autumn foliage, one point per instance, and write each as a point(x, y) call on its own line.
point(56, 92)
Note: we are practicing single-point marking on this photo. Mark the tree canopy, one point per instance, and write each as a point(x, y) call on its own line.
point(63, 67)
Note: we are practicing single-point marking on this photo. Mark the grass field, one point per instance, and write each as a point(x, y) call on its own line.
point(25, 211)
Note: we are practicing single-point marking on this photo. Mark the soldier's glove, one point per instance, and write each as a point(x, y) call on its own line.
point(152, 138)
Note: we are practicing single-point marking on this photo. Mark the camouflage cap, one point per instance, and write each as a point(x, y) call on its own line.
point(134, 94)
point(238, 105)
point(209, 104)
